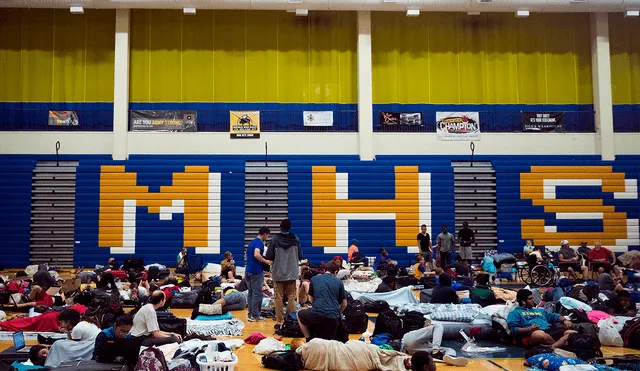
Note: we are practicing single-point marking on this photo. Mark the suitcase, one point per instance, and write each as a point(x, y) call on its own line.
point(171, 323)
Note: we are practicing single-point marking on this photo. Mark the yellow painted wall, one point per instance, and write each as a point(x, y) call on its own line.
point(453, 58)
point(49, 55)
point(243, 56)
point(624, 34)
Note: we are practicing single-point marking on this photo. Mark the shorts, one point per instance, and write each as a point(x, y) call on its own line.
point(466, 252)
point(428, 256)
point(319, 326)
point(557, 330)
point(596, 266)
point(526, 341)
point(565, 267)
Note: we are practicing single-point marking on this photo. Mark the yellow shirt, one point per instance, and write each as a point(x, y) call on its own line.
point(416, 271)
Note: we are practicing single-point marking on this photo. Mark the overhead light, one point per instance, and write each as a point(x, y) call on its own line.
point(302, 12)
point(522, 13)
point(189, 11)
point(390, 1)
point(413, 12)
point(295, 1)
point(632, 13)
point(473, 13)
point(76, 10)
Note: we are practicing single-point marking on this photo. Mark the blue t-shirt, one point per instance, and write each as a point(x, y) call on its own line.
point(253, 265)
point(328, 293)
point(523, 317)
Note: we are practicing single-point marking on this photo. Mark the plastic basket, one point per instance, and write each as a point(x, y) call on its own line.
point(201, 360)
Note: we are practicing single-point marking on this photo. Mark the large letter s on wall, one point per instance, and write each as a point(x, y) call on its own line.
point(618, 231)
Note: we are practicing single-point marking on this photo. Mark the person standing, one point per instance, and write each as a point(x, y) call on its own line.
point(424, 246)
point(285, 253)
point(444, 245)
point(254, 274)
point(466, 237)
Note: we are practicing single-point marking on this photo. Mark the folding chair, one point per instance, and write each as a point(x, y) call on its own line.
point(194, 264)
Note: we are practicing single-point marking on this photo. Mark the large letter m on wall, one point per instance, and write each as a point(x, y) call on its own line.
point(332, 208)
point(194, 193)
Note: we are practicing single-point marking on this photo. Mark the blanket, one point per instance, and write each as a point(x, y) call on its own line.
point(69, 350)
point(447, 312)
point(366, 286)
point(393, 298)
point(319, 354)
point(47, 322)
point(502, 294)
point(231, 327)
point(217, 317)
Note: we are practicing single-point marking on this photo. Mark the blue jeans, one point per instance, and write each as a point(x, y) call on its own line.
point(254, 282)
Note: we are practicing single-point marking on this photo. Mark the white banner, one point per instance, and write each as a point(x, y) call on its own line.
point(458, 125)
point(318, 118)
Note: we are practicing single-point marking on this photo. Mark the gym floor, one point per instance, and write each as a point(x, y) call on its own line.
point(250, 361)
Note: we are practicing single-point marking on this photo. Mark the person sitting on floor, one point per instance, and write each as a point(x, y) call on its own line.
point(75, 328)
point(592, 293)
point(462, 268)
point(383, 261)
point(419, 268)
point(38, 296)
point(389, 283)
point(107, 282)
point(443, 293)
point(569, 261)
point(622, 305)
point(43, 278)
point(535, 326)
point(228, 258)
point(120, 330)
point(145, 323)
point(429, 339)
point(38, 354)
point(228, 273)
point(232, 299)
point(482, 293)
point(303, 287)
point(328, 299)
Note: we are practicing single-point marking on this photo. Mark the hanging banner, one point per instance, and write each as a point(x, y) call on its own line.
point(244, 124)
point(318, 118)
point(458, 125)
point(396, 118)
point(411, 119)
point(166, 121)
point(63, 118)
point(389, 118)
point(542, 122)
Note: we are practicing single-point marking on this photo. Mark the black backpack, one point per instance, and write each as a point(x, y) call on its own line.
point(425, 295)
point(104, 308)
point(377, 306)
point(285, 361)
point(585, 346)
point(389, 323)
point(290, 328)
point(356, 317)
point(631, 333)
point(412, 321)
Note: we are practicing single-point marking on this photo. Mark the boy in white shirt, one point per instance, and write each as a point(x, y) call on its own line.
point(75, 328)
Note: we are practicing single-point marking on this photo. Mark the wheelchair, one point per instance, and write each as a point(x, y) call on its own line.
point(534, 273)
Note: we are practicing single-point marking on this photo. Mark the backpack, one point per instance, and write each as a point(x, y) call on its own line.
point(285, 361)
point(577, 315)
point(377, 306)
point(425, 295)
point(389, 323)
point(212, 283)
point(631, 333)
point(585, 346)
point(104, 308)
point(356, 316)
point(290, 327)
point(412, 321)
point(428, 282)
point(151, 359)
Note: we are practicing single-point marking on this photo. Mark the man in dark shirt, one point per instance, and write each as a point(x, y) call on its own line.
point(120, 330)
point(462, 268)
point(424, 246)
point(568, 261)
point(42, 278)
point(443, 293)
point(622, 305)
point(328, 300)
point(389, 283)
point(482, 293)
point(466, 237)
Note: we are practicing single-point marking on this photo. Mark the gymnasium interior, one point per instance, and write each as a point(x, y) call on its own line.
point(222, 185)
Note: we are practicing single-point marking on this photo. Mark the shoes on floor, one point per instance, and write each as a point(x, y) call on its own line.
point(455, 361)
point(259, 319)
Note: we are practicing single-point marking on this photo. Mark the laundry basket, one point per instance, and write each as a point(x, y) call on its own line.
point(201, 360)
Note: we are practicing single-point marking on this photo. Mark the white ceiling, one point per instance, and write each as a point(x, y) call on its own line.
point(378, 5)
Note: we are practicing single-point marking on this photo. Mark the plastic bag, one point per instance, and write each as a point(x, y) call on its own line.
point(608, 334)
point(471, 347)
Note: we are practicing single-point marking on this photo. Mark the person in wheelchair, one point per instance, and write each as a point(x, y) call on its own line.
point(569, 261)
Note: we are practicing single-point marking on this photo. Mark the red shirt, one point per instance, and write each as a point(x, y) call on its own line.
point(603, 253)
point(45, 299)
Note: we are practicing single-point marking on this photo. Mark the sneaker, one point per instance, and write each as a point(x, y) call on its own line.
point(437, 356)
point(259, 319)
point(455, 361)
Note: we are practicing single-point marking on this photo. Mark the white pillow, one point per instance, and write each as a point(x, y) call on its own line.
point(490, 310)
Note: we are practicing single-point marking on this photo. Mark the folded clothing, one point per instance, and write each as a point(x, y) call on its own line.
point(216, 317)
point(254, 338)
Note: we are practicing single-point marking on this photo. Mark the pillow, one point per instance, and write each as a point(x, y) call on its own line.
point(492, 309)
point(551, 361)
point(505, 310)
